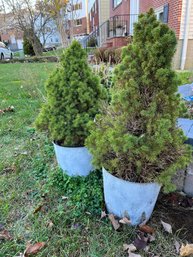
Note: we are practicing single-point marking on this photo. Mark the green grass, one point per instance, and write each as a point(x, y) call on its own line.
point(29, 178)
point(185, 77)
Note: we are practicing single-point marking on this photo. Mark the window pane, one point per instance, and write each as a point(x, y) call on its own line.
point(116, 2)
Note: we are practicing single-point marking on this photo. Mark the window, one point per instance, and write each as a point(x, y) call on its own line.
point(160, 16)
point(116, 2)
point(162, 13)
point(95, 7)
point(77, 6)
point(78, 22)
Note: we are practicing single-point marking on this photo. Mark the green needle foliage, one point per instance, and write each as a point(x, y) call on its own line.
point(136, 138)
point(73, 94)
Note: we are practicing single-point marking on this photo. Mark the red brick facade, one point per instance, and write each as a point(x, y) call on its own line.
point(79, 30)
point(94, 17)
point(121, 9)
point(116, 42)
point(175, 10)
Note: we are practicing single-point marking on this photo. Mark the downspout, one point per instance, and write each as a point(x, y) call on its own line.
point(186, 32)
point(87, 18)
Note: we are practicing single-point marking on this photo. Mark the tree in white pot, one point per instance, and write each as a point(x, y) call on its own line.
point(73, 94)
point(136, 140)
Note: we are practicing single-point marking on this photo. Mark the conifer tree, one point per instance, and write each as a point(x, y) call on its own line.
point(73, 95)
point(27, 47)
point(137, 138)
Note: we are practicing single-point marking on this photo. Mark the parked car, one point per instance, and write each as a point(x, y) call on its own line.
point(5, 52)
point(48, 48)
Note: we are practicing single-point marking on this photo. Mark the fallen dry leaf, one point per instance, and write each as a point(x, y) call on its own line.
point(4, 235)
point(146, 249)
point(177, 246)
point(125, 221)
point(167, 227)
point(103, 214)
point(147, 229)
point(33, 249)
point(186, 250)
point(38, 209)
point(50, 224)
point(8, 109)
point(129, 248)
point(140, 243)
point(151, 238)
point(134, 255)
point(21, 255)
point(114, 222)
point(64, 198)
point(125, 247)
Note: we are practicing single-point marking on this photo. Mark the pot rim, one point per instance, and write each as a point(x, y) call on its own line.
point(129, 182)
point(71, 147)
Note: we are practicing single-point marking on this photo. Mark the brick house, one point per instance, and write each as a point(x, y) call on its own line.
point(98, 13)
point(8, 34)
point(77, 18)
point(93, 15)
point(178, 14)
point(116, 23)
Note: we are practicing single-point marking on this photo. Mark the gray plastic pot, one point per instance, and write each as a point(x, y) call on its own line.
point(75, 161)
point(135, 201)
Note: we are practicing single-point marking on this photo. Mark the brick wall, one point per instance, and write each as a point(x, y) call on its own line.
point(81, 29)
point(123, 8)
point(94, 17)
point(175, 10)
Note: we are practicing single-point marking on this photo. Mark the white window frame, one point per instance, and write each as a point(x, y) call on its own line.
point(158, 11)
point(116, 3)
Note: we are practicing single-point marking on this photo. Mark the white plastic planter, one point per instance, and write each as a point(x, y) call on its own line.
point(75, 161)
point(127, 199)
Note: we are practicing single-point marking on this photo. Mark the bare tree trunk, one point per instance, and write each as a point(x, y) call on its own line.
point(62, 28)
point(34, 40)
point(37, 46)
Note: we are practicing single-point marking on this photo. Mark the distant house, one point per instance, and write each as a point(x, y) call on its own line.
point(178, 14)
point(9, 35)
point(118, 19)
point(77, 18)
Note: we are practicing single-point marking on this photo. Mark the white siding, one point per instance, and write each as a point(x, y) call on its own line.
point(183, 18)
point(104, 11)
point(134, 10)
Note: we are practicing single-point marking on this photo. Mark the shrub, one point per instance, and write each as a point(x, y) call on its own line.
point(92, 42)
point(105, 73)
point(110, 55)
point(136, 138)
point(118, 54)
point(27, 47)
point(99, 54)
point(73, 94)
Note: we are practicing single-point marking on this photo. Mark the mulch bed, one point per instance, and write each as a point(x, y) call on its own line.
point(177, 210)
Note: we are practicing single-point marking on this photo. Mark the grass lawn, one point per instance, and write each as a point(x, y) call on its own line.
point(38, 203)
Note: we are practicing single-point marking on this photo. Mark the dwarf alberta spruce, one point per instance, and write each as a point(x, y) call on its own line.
point(136, 138)
point(73, 94)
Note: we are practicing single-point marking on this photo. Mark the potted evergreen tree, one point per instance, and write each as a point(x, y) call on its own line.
point(136, 139)
point(73, 94)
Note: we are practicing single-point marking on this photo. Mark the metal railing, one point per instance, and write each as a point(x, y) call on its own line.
point(116, 26)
